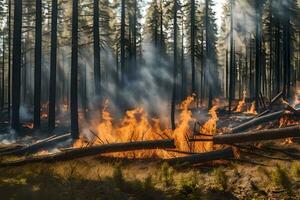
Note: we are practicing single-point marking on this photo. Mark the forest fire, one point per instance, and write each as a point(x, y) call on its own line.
point(136, 125)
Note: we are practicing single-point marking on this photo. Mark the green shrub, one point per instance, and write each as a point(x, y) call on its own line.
point(189, 190)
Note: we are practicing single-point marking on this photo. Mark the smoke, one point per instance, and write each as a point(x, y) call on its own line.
point(25, 115)
point(147, 86)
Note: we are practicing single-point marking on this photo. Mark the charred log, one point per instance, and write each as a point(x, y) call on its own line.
point(254, 136)
point(257, 121)
point(204, 157)
point(10, 147)
point(41, 145)
point(91, 151)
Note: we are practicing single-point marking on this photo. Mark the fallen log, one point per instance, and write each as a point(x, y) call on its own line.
point(40, 145)
point(10, 147)
point(278, 96)
point(257, 121)
point(204, 157)
point(253, 136)
point(91, 151)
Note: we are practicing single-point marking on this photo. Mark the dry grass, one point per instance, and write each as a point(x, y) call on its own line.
point(101, 178)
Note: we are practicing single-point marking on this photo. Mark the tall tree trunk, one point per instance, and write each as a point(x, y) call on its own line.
point(16, 71)
point(278, 60)
point(97, 67)
point(183, 82)
point(251, 69)
point(161, 27)
point(134, 35)
point(74, 73)
point(286, 52)
point(227, 74)
point(193, 45)
point(202, 80)
point(231, 76)
point(122, 42)
point(173, 102)
point(53, 64)
point(258, 52)
point(208, 54)
point(9, 59)
point(38, 65)
point(3, 75)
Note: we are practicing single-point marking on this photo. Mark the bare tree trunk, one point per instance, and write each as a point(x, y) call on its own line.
point(173, 102)
point(193, 33)
point(97, 66)
point(9, 59)
point(38, 65)
point(74, 72)
point(122, 41)
point(231, 76)
point(16, 71)
point(53, 64)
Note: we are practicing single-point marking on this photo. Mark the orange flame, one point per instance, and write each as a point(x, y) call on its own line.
point(252, 110)
point(209, 128)
point(241, 103)
point(137, 126)
point(29, 125)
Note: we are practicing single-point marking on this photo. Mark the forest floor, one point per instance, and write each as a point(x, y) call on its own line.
point(256, 177)
point(270, 172)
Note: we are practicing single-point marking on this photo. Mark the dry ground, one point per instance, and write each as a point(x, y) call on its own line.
point(254, 177)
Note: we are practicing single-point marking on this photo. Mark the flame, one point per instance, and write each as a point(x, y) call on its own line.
point(252, 110)
point(29, 125)
point(285, 121)
point(209, 128)
point(241, 103)
point(44, 116)
point(136, 125)
point(43, 152)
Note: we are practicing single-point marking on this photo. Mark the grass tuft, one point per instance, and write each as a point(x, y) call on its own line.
point(166, 174)
point(281, 179)
point(118, 175)
point(221, 178)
